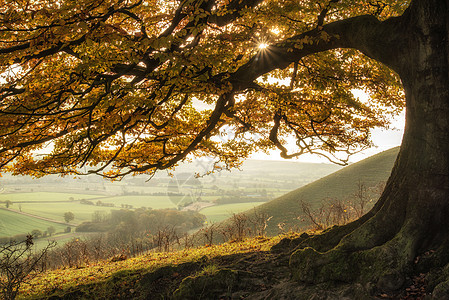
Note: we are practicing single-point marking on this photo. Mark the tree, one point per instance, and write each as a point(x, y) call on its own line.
point(51, 230)
point(139, 86)
point(19, 264)
point(8, 203)
point(36, 233)
point(69, 216)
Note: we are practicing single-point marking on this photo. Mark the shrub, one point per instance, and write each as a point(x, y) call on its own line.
point(18, 265)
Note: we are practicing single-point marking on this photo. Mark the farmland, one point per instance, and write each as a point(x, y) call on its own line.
point(43, 197)
point(12, 223)
point(222, 193)
point(218, 213)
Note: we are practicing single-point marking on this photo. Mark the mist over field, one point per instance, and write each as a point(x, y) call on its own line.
point(28, 204)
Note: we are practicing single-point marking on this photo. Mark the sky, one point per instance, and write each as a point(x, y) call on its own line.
point(383, 139)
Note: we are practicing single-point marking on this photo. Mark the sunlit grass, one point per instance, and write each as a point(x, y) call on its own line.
point(65, 278)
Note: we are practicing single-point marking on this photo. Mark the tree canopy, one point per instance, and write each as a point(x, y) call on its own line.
point(131, 86)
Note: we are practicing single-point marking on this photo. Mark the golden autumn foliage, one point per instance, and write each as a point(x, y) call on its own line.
point(117, 87)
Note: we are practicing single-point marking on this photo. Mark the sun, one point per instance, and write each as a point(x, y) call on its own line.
point(262, 46)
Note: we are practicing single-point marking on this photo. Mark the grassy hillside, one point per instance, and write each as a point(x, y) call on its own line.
point(150, 276)
point(341, 184)
point(235, 270)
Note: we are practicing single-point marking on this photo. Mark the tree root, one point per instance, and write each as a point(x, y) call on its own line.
point(386, 265)
point(322, 242)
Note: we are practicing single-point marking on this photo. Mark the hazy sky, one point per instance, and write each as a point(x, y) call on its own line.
point(383, 140)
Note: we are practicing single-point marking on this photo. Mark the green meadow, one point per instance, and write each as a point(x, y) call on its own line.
point(43, 197)
point(12, 223)
point(56, 210)
point(148, 201)
point(219, 213)
point(52, 196)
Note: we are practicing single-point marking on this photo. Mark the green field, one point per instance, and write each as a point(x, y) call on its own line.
point(155, 202)
point(47, 204)
point(44, 197)
point(219, 213)
point(84, 212)
point(113, 188)
point(52, 196)
point(56, 210)
point(12, 224)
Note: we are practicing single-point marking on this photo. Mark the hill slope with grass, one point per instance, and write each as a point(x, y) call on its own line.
point(250, 269)
point(338, 185)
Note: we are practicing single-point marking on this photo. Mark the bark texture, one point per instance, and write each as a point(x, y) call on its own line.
point(412, 216)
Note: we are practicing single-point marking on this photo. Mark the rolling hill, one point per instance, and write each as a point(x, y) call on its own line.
point(340, 184)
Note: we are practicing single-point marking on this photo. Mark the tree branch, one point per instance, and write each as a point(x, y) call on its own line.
point(364, 33)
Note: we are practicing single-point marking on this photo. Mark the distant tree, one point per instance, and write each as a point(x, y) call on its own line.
point(71, 199)
point(36, 233)
point(69, 216)
point(8, 203)
point(98, 216)
point(18, 265)
point(51, 230)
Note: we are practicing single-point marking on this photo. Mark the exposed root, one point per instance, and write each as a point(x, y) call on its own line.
point(385, 265)
point(322, 242)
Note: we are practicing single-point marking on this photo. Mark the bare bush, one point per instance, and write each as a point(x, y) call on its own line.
point(236, 229)
point(71, 253)
point(209, 233)
point(188, 240)
point(19, 264)
point(259, 221)
point(331, 212)
point(360, 199)
point(239, 223)
point(319, 218)
point(334, 211)
point(226, 232)
point(165, 238)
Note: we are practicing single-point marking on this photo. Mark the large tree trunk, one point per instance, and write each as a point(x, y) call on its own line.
point(412, 216)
